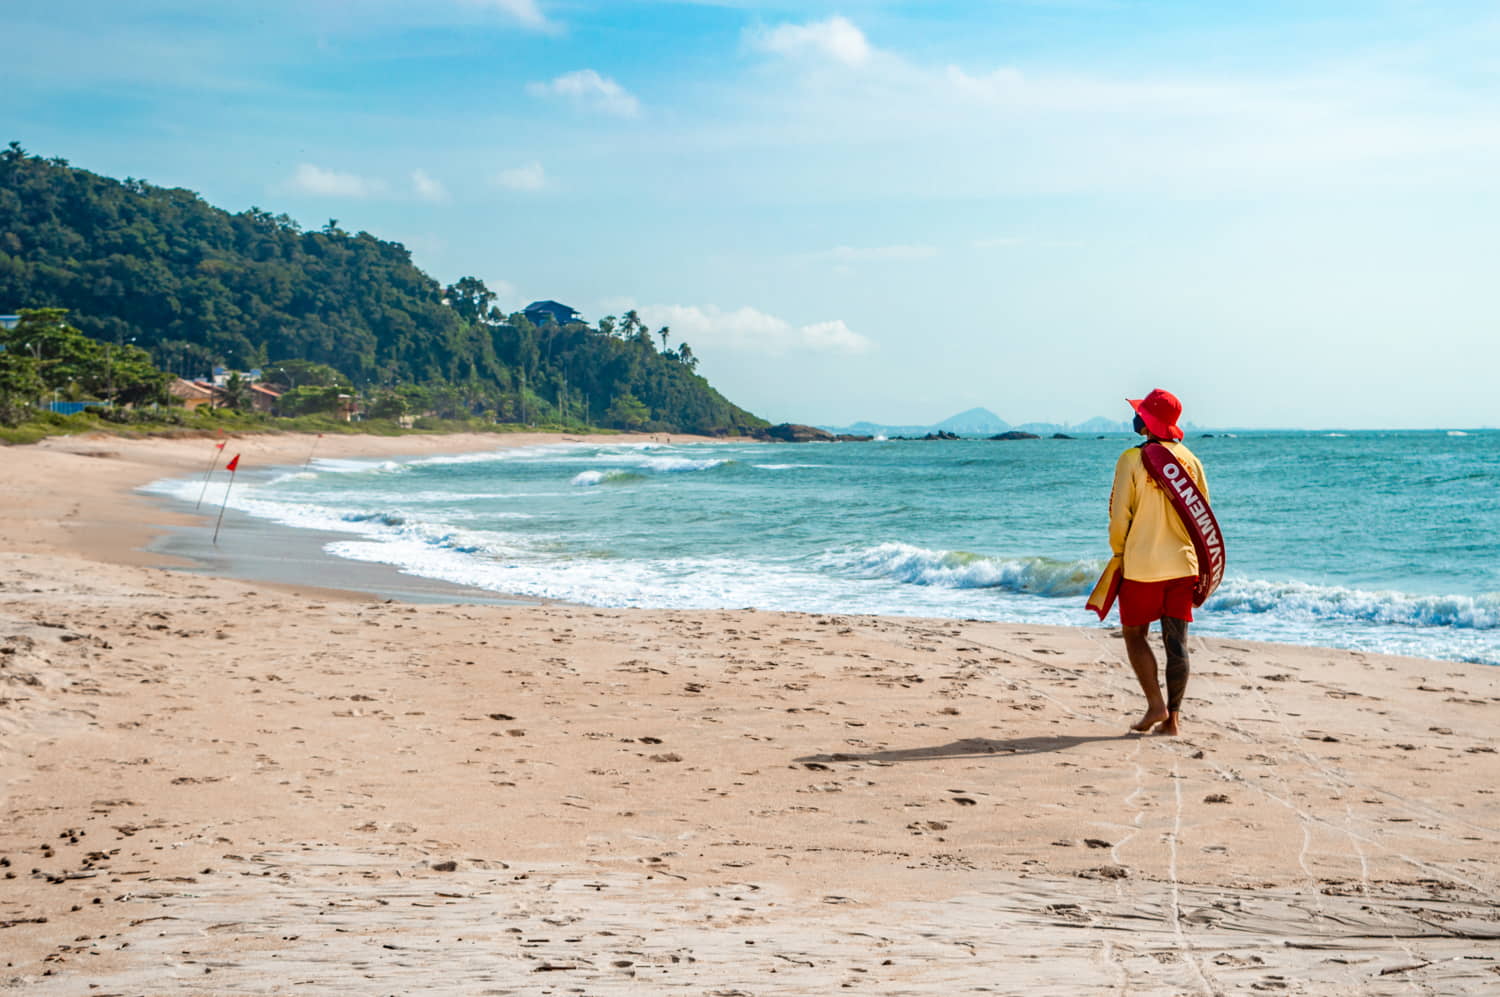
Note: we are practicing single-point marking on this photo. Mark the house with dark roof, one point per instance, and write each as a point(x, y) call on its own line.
point(542, 312)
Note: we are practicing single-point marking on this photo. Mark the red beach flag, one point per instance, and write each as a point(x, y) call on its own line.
point(234, 462)
point(220, 444)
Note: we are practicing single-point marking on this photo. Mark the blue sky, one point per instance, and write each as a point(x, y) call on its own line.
point(1284, 212)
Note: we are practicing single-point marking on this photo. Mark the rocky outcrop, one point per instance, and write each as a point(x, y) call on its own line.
point(1015, 434)
point(1062, 436)
point(789, 432)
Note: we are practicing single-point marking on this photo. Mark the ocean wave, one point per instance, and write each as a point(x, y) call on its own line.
point(964, 570)
point(382, 525)
point(587, 479)
point(293, 476)
point(339, 465)
point(495, 456)
point(382, 518)
point(674, 465)
point(651, 465)
point(1299, 600)
point(786, 467)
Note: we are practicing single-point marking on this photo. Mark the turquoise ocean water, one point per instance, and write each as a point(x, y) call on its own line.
point(1380, 541)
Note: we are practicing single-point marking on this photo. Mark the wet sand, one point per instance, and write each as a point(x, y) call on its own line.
point(220, 786)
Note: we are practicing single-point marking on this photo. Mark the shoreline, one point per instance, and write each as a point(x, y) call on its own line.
point(174, 537)
point(267, 784)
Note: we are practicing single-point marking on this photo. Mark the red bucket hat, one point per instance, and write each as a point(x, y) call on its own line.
point(1160, 411)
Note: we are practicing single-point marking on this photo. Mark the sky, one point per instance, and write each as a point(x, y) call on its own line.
point(1286, 212)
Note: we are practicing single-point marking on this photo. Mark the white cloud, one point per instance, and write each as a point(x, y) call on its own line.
point(587, 88)
point(834, 337)
point(427, 188)
point(878, 254)
point(310, 179)
point(526, 12)
point(837, 39)
point(531, 176)
point(751, 330)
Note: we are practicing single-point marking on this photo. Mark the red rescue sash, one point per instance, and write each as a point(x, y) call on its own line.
point(1197, 518)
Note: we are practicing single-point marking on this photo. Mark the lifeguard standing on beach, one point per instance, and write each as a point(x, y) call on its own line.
point(1168, 553)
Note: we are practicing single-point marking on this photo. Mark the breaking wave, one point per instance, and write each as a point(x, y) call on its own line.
point(962, 569)
point(1301, 601)
point(587, 479)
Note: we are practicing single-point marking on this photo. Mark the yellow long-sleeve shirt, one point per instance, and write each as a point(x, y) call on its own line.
point(1143, 527)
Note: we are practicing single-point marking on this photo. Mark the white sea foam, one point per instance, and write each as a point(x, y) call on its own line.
point(1457, 432)
point(673, 465)
point(376, 524)
point(1300, 601)
point(293, 476)
point(587, 479)
point(540, 451)
point(786, 467)
point(689, 583)
point(339, 465)
point(1291, 601)
point(961, 569)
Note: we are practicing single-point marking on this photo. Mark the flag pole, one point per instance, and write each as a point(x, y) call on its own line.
point(218, 452)
point(230, 467)
point(310, 452)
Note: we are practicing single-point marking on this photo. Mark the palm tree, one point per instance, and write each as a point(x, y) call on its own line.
point(236, 392)
point(662, 332)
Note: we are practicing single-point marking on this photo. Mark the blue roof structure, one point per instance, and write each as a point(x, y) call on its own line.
point(555, 311)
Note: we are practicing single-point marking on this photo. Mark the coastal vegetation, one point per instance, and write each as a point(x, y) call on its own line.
point(157, 278)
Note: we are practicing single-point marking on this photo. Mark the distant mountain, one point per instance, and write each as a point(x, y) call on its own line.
point(983, 422)
point(974, 422)
point(1099, 424)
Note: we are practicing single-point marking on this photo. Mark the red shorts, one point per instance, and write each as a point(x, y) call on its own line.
point(1142, 602)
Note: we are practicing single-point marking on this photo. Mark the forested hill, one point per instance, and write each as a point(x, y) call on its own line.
point(196, 285)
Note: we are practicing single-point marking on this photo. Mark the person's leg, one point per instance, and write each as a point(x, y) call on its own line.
point(1174, 637)
point(1143, 662)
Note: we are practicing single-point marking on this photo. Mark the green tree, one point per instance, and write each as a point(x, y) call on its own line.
point(67, 360)
point(627, 412)
point(285, 375)
point(389, 405)
point(236, 393)
point(20, 387)
point(312, 400)
point(470, 298)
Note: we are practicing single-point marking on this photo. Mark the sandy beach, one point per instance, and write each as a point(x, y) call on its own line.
point(220, 786)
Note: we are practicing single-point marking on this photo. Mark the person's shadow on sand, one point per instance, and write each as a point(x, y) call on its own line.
point(969, 747)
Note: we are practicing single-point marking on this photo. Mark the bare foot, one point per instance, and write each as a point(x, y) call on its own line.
point(1168, 727)
point(1151, 719)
